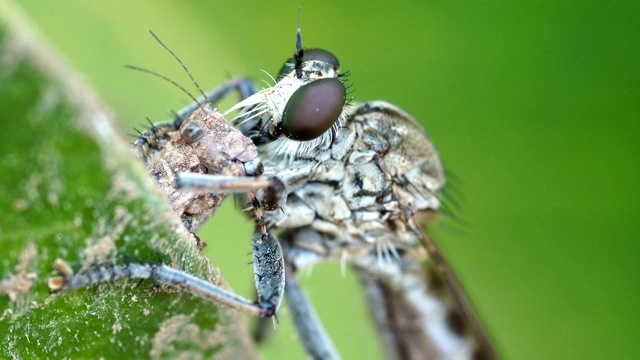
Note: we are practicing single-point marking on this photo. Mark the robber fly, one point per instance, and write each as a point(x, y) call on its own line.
point(327, 180)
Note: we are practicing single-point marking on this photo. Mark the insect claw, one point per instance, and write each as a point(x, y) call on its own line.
point(139, 283)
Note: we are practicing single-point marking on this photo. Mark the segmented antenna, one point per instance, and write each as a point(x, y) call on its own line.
point(299, 34)
point(183, 66)
point(163, 78)
point(299, 50)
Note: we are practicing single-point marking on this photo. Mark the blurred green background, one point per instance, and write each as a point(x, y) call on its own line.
point(534, 105)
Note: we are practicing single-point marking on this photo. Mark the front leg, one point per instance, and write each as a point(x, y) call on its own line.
point(314, 337)
point(268, 266)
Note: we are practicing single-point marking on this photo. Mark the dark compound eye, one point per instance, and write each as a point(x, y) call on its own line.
point(309, 54)
point(313, 109)
point(191, 132)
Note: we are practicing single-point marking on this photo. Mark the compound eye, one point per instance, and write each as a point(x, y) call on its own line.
point(313, 109)
point(191, 132)
point(309, 55)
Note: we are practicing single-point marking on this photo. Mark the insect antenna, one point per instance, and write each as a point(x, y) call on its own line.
point(183, 66)
point(132, 67)
point(299, 50)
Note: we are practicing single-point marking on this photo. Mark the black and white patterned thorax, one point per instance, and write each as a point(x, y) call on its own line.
point(360, 195)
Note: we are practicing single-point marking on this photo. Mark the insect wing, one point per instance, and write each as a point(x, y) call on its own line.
point(462, 316)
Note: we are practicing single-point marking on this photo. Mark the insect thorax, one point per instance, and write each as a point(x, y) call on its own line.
point(380, 171)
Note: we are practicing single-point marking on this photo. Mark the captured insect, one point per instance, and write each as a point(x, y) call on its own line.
point(328, 180)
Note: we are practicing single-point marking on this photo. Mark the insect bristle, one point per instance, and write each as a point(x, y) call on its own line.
point(270, 77)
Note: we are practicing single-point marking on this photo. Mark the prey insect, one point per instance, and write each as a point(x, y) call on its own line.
point(328, 181)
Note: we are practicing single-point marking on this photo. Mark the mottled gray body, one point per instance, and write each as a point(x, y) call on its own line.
point(360, 200)
point(361, 192)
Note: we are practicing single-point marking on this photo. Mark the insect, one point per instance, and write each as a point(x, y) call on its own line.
point(328, 181)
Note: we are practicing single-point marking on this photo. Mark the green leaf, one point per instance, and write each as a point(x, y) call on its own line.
point(72, 188)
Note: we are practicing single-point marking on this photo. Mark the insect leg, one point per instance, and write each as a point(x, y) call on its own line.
point(262, 329)
point(268, 267)
point(273, 188)
point(313, 335)
point(219, 183)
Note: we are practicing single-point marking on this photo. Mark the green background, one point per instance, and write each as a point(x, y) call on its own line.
point(534, 105)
